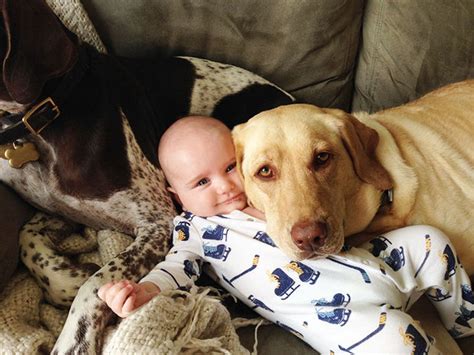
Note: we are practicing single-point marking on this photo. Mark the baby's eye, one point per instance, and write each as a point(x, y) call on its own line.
point(230, 168)
point(202, 182)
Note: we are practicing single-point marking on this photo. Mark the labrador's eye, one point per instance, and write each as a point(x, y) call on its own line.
point(321, 158)
point(265, 172)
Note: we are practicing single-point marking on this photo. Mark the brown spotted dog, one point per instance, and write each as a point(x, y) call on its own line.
point(94, 122)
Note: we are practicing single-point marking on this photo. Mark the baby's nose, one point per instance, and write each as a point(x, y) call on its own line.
point(226, 185)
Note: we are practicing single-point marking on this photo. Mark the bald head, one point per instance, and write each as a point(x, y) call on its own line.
point(183, 136)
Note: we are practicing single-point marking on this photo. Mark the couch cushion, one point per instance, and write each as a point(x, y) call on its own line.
point(306, 47)
point(412, 47)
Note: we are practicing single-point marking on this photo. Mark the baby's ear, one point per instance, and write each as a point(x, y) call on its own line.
point(174, 195)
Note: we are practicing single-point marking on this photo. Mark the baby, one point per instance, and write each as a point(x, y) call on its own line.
point(355, 301)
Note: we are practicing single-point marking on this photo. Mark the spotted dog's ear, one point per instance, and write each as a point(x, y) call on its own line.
point(361, 142)
point(34, 48)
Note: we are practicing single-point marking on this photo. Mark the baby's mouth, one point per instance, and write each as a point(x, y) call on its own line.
point(232, 199)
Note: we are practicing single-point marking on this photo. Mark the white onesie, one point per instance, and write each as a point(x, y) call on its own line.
point(353, 302)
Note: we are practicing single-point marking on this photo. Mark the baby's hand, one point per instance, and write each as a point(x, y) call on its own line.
point(123, 297)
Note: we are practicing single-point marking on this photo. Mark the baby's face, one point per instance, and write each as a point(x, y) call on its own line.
point(204, 176)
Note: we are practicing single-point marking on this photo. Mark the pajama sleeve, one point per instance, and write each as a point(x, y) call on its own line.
point(183, 264)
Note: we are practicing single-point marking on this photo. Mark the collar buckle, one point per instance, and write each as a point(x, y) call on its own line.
point(48, 108)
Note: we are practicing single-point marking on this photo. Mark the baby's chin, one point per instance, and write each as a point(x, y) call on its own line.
point(229, 207)
point(220, 209)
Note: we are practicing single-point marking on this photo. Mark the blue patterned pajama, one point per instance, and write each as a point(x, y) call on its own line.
point(353, 302)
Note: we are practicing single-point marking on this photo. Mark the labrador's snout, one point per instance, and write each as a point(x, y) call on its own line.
point(309, 236)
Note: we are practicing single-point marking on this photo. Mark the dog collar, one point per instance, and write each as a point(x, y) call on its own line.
point(33, 121)
point(45, 112)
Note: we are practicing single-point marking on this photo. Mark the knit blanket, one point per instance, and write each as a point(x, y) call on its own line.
point(33, 311)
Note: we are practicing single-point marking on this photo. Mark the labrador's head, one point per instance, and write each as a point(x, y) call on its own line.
point(314, 174)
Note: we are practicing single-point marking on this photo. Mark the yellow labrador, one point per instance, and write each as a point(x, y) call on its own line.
point(323, 174)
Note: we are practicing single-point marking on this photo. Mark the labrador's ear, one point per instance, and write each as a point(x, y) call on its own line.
point(34, 48)
point(361, 141)
point(237, 133)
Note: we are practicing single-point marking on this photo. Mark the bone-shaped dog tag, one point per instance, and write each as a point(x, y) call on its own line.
point(21, 154)
point(3, 149)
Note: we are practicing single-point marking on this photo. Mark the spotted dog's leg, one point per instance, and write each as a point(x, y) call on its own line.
point(148, 205)
point(40, 250)
point(88, 316)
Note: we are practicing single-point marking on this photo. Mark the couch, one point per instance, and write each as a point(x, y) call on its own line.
point(355, 55)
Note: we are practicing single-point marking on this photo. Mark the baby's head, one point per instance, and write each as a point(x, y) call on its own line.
point(198, 159)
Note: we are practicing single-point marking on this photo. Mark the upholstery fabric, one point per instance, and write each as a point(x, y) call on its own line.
point(410, 48)
point(306, 47)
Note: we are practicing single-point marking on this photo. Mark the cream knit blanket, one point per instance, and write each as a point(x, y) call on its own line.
point(173, 322)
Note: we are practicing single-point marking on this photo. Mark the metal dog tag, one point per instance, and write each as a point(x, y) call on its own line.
point(19, 155)
point(3, 149)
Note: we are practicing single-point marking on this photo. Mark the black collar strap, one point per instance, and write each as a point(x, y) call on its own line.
point(33, 121)
point(42, 114)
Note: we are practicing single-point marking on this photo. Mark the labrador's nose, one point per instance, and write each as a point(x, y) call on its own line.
point(309, 236)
